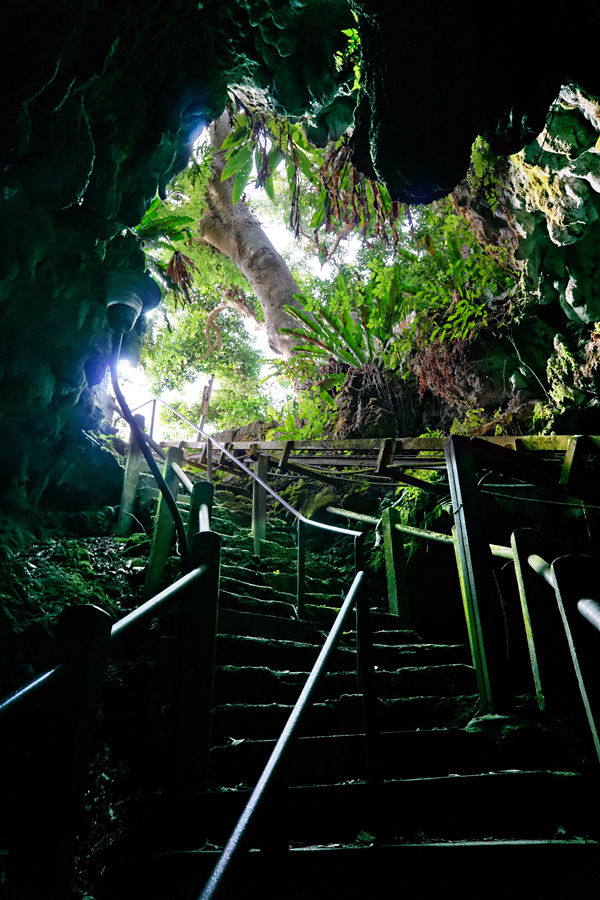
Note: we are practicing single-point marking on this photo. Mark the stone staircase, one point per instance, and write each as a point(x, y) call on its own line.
point(503, 792)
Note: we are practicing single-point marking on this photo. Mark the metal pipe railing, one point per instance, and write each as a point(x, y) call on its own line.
point(240, 831)
point(590, 610)
point(151, 607)
point(27, 690)
point(284, 503)
point(542, 568)
point(497, 549)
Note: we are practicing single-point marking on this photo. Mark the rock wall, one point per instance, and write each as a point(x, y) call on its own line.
point(555, 198)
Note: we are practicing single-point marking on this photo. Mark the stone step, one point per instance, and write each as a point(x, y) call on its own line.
point(504, 805)
point(526, 868)
point(262, 685)
point(249, 604)
point(343, 715)
point(295, 656)
point(260, 625)
point(285, 604)
point(340, 758)
point(247, 588)
point(324, 616)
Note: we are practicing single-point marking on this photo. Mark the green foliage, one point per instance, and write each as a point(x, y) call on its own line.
point(421, 509)
point(176, 351)
point(475, 420)
point(345, 200)
point(483, 177)
point(233, 402)
point(563, 374)
point(312, 415)
point(357, 327)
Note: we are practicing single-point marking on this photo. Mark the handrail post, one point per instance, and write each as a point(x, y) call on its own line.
point(202, 493)
point(153, 417)
point(301, 575)
point(481, 599)
point(196, 655)
point(209, 461)
point(133, 467)
point(259, 502)
point(395, 567)
point(553, 678)
point(43, 862)
point(163, 526)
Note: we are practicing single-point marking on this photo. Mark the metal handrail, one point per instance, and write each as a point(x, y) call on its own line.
point(274, 494)
point(241, 829)
point(590, 610)
point(49, 677)
point(124, 624)
point(247, 471)
point(152, 399)
point(542, 568)
point(150, 607)
point(497, 549)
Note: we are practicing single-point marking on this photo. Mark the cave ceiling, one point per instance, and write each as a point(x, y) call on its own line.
point(101, 103)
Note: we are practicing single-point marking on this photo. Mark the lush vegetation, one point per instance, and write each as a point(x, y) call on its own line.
point(407, 303)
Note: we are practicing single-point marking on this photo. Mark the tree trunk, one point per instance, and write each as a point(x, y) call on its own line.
point(234, 231)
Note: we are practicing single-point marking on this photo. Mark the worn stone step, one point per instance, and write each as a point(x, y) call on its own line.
point(324, 616)
point(402, 754)
point(343, 715)
point(294, 656)
point(261, 685)
point(249, 604)
point(526, 868)
point(509, 805)
point(229, 590)
point(339, 758)
point(260, 625)
point(233, 584)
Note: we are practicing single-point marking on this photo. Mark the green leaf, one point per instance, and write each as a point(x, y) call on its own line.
point(237, 159)
point(241, 180)
point(240, 133)
point(269, 188)
point(304, 163)
point(274, 157)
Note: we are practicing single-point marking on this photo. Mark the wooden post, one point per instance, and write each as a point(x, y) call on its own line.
point(42, 864)
point(163, 526)
point(259, 503)
point(301, 575)
point(133, 467)
point(386, 455)
point(196, 643)
point(483, 605)
point(395, 568)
